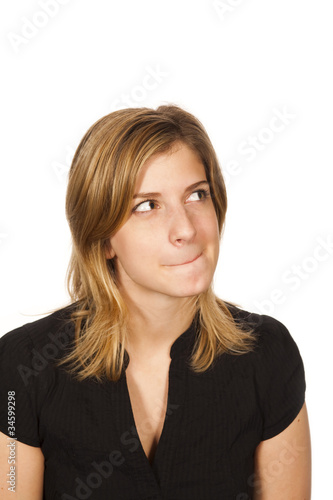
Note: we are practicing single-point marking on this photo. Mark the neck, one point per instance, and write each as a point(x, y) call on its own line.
point(153, 327)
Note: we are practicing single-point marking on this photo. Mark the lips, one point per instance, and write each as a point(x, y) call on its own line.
point(186, 262)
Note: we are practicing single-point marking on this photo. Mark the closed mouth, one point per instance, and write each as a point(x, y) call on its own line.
point(187, 262)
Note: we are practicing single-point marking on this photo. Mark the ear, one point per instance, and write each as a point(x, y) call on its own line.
point(109, 252)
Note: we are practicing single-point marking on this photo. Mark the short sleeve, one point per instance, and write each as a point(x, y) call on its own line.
point(282, 378)
point(18, 381)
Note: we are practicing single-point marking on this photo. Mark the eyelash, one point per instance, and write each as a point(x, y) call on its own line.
point(205, 192)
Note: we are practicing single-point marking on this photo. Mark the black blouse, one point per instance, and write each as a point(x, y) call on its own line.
point(213, 423)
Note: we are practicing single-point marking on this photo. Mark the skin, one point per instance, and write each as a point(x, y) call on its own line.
point(283, 463)
point(152, 251)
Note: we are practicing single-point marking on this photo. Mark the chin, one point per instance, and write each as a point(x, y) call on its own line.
point(191, 291)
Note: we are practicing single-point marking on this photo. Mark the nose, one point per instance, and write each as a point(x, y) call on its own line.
point(182, 228)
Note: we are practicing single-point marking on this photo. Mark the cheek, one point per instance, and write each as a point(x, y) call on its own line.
point(209, 229)
point(133, 246)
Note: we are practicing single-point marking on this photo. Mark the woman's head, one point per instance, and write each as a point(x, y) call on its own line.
point(109, 162)
point(126, 152)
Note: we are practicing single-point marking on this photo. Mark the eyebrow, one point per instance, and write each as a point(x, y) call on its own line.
point(154, 195)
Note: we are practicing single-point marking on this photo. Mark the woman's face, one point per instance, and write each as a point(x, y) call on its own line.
point(169, 245)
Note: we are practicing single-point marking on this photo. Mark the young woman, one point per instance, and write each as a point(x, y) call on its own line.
point(148, 386)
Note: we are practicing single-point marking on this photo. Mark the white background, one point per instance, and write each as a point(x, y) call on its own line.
point(235, 67)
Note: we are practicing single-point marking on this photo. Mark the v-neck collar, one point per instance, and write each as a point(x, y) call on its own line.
point(185, 342)
point(148, 473)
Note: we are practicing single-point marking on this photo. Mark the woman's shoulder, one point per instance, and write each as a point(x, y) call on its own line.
point(275, 356)
point(270, 332)
point(27, 370)
point(28, 354)
point(50, 334)
point(275, 367)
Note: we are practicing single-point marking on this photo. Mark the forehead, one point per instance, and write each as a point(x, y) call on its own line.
point(179, 165)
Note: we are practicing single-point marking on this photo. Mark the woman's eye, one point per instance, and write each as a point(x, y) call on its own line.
point(198, 195)
point(145, 206)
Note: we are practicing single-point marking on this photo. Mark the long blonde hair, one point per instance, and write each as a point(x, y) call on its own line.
point(100, 189)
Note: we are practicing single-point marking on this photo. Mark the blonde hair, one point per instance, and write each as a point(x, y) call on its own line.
point(100, 190)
